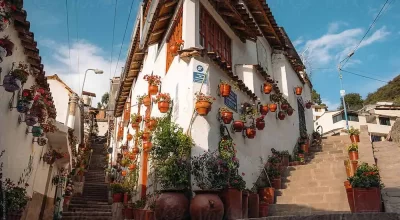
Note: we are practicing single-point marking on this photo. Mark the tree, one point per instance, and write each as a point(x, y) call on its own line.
point(316, 97)
point(104, 101)
point(354, 102)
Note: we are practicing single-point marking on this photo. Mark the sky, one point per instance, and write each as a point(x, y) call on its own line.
point(323, 31)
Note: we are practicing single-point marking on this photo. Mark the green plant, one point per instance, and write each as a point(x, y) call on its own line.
point(140, 204)
point(130, 181)
point(205, 98)
point(353, 131)
point(227, 153)
point(273, 173)
point(352, 147)
point(236, 181)
point(15, 197)
point(285, 153)
point(224, 109)
point(232, 83)
point(274, 159)
point(162, 97)
point(365, 177)
point(135, 117)
point(117, 188)
point(208, 171)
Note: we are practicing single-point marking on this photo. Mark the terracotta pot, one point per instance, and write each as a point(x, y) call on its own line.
point(350, 198)
point(304, 148)
point(139, 214)
point(153, 90)
point(227, 117)
point(308, 105)
point(146, 136)
point(67, 200)
point(355, 138)
point(117, 197)
point(254, 204)
point(206, 205)
point(267, 195)
point(150, 215)
point(135, 125)
point(172, 205)
point(263, 210)
point(232, 199)
point(14, 216)
point(367, 200)
point(264, 109)
point(284, 106)
point(289, 111)
point(151, 124)
point(347, 184)
point(238, 126)
point(285, 161)
point(245, 204)
point(353, 167)
point(128, 213)
point(353, 155)
point(132, 166)
point(163, 106)
point(173, 48)
point(267, 88)
point(224, 90)
point(127, 197)
point(147, 101)
point(250, 133)
point(260, 124)
point(277, 183)
point(299, 90)
point(281, 115)
point(272, 107)
point(202, 107)
point(147, 146)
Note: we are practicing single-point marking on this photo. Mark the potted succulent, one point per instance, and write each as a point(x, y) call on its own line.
point(203, 103)
point(260, 123)
point(209, 176)
point(365, 187)
point(154, 81)
point(226, 115)
point(238, 125)
point(267, 88)
point(308, 104)
point(353, 151)
point(16, 200)
point(163, 100)
point(117, 191)
point(354, 134)
point(171, 158)
point(298, 90)
point(135, 120)
point(281, 115)
point(264, 109)
point(224, 88)
point(250, 132)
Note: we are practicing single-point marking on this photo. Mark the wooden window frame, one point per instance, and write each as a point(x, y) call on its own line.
point(213, 38)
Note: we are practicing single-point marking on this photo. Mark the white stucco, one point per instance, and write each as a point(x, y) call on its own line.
point(61, 98)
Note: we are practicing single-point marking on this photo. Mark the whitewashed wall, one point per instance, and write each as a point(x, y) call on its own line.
point(61, 99)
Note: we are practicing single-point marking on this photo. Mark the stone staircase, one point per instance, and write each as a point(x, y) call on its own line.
point(93, 204)
point(388, 161)
point(316, 187)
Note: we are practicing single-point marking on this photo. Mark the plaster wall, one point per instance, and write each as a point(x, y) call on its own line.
point(61, 99)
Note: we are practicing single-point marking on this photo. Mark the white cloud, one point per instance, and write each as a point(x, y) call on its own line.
point(332, 106)
point(333, 47)
point(298, 41)
point(90, 57)
point(334, 26)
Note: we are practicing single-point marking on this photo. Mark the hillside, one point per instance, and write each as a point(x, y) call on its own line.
point(389, 92)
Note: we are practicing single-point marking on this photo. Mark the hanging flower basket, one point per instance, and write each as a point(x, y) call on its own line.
point(132, 167)
point(146, 136)
point(42, 141)
point(264, 109)
point(224, 89)
point(238, 126)
point(299, 90)
point(146, 101)
point(284, 106)
point(163, 100)
point(7, 46)
point(272, 107)
point(226, 115)
point(203, 103)
point(135, 150)
point(151, 123)
point(267, 88)
point(37, 131)
point(11, 84)
point(260, 123)
point(289, 112)
point(129, 137)
point(154, 81)
point(281, 115)
point(308, 104)
point(31, 119)
point(23, 106)
point(147, 146)
point(250, 132)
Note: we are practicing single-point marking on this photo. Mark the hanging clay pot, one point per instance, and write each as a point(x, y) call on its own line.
point(147, 146)
point(250, 133)
point(260, 124)
point(153, 89)
point(281, 115)
point(267, 88)
point(264, 109)
point(272, 107)
point(224, 89)
point(227, 117)
point(289, 111)
point(299, 90)
point(284, 106)
point(163, 106)
point(203, 107)
point(238, 126)
point(147, 101)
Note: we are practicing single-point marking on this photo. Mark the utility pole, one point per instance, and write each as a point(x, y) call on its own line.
point(342, 91)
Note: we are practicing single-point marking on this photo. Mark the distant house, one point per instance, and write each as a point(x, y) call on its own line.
point(379, 118)
point(318, 111)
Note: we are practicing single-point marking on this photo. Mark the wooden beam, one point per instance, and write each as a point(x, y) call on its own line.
point(227, 13)
point(165, 17)
point(169, 4)
point(239, 27)
point(158, 32)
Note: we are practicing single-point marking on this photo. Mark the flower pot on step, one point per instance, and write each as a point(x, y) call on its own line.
point(267, 195)
point(254, 205)
point(127, 197)
point(350, 198)
point(117, 197)
point(14, 216)
point(232, 199)
point(206, 205)
point(354, 138)
point(263, 210)
point(367, 200)
point(285, 160)
point(245, 204)
point(139, 214)
point(277, 183)
point(171, 205)
point(353, 155)
point(128, 213)
point(149, 215)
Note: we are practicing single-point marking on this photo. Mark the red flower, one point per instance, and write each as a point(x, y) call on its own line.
point(243, 174)
point(2, 4)
point(13, 7)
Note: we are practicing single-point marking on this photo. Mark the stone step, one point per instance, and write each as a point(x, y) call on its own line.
point(96, 206)
point(88, 202)
point(305, 210)
point(87, 199)
point(90, 209)
point(308, 199)
point(308, 190)
point(87, 217)
point(92, 214)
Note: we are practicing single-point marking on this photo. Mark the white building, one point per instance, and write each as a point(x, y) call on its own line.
point(248, 49)
point(318, 111)
point(379, 118)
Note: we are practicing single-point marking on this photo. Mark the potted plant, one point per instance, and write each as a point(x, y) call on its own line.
point(264, 109)
point(290, 111)
point(7, 46)
point(365, 185)
point(163, 100)
point(285, 106)
point(298, 90)
point(226, 115)
point(203, 103)
point(144, 135)
point(254, 202)
point(135, 120)
point(224, 88)
point(265, 190)
point(117, 191)
point(353, 151)
point(209, 176)
point(281, 115)
point(151, 123)
point(171, 159)
point(308, 104)
point(354, 134)
point(267, 88)
point(250, 132)
point(275, 176)
point(238, 125)
point(176, 46)
point(16, 200)
point(16, 78)
point(154, 81)
point(272, 107)
point(260, 123)
point(146, 100)
point(285, 158)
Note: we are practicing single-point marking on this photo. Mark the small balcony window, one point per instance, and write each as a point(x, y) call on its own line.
point(384, 121)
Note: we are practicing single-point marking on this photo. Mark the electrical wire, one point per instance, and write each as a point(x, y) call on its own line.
point(367, 77)
point(77, 36)
point(123, 39)
point(366, 33)
point(69, 45)
point(113, 36)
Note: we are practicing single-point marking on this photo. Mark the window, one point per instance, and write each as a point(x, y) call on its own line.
point(350, 117)
point(337, 118)
point(175, 35)
point(384, 121)
point(213, 38)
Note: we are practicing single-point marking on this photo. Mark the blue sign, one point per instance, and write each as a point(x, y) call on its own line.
point(231, 101)
point(198, 77)
point(200, 68)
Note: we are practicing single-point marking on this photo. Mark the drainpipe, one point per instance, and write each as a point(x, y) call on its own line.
point(73, 101)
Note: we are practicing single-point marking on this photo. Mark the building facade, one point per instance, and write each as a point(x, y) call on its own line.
point(239, 43)
point(318, 111)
